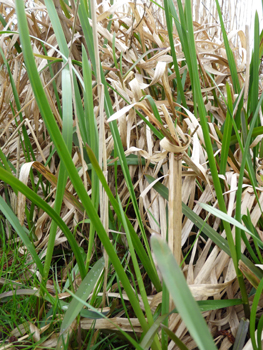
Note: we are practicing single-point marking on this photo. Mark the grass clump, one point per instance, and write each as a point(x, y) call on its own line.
point(117, 136)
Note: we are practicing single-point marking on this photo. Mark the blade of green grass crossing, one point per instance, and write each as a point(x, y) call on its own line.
point(60, 37)
point(254, 84)
point(148, 338)
point(31, 195)
point(125, 334)
point(174, 338)
point(229, 52)
point(226, 134)
point(241, 175)
point(87, 30)
point(12, 218)
point(202, 114)
point(206, 229)
point(83, 292)
point(67, 125)
point(181, 294)
point(253, 316)
point(5, 162)
point(182, 30)
point(136, 241)
point(66, 158)
point(26, 144)
point(232, 221)
point(171, 40)
point(93, 140)
point(16, 45)
point(137, 272)
point(254, 70)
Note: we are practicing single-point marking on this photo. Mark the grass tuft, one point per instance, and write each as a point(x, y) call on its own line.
point(95, 105)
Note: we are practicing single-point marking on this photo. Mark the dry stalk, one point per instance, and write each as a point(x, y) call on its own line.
point(175, 189)
point(175, 205)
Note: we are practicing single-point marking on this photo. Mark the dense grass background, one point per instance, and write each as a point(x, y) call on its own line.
point(131, 178)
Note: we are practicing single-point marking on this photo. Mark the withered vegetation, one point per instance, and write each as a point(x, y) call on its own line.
point(133, 47)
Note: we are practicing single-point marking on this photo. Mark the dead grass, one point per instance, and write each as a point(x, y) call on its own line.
point(209, 271)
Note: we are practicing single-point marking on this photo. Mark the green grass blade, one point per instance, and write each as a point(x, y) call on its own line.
point(149, 336)
point(26, 144)
point(246, 155)
point(226, 134)
point(31, 195)
point(136, 267)
point(49, 65)
point(11, 217)
point(62, 176)
point(16, 45)
point(89, 121)
point(206, 229)
point(182, 31)
point(136, 242)
point(5, 162)
point(254, 70)
point(84, 290)
point(241, 334)
point(203, 121)
point(113, 126)
point(207, 305)
point(64, 8)
point(66, 158)
point(174, 338)
point(155, 111)
point(92, 139)
point(229, 52)
point(259, 332)
point(165, 310)
point(171, 40)
point(67, 120)
point(181, 294)
point(253, 316)
point(142, 290)
point(60, 37)
point(125, 334)
point(126, 173)
point(229, 219)
point(87, 30)
point(252, 251)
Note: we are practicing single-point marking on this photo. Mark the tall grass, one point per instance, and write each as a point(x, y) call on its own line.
point(99, 107)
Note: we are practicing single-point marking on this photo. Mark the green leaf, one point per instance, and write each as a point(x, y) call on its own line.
point(241, 334)
point(174, 338)
point(206, 229)
point(230, 220)
point(253, 316)
point(135, 239)
point(125, 334)
point(227, 133)
point(31, 195)
point(149, 336)
point(229, 52)
point(60, 37)
point(254, 70)
point(65, 156)
point(171, 40)
point(207, 305)
point(87, 30)
point(84, 290)
point(181, 294)
point(11, 217)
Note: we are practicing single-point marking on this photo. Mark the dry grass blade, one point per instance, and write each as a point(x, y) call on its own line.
point(127, 46)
